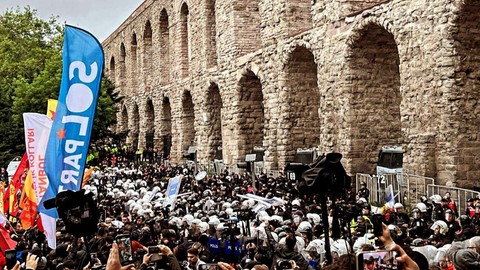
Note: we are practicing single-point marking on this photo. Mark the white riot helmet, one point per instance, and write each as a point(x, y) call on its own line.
point(220, 227)
point(314, 218)
point(304, 227)
point(436, 198)
point(196, 221)
point(203, 227)
point(214, 221)
point(398, 206)
point(188, 219)
point(341, 247)
point(422, 207)
point(441, 225)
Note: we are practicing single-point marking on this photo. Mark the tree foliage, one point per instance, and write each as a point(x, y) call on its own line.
point(30, 74)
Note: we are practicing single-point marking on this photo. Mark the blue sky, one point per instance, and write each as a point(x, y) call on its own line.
point(99, 17)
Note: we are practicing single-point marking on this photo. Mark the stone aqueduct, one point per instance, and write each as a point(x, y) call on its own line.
point(344, 75)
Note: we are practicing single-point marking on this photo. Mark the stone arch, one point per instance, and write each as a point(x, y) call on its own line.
point(134, 63)
point(150, 125)
point(166, 126)
point(147, 53)
point(123, 123)
point(467, 94)
point(298, 16)
point(112, 69)
point(211, 33)
point(164, 47)
point(373, 80)
point(184, 40)
point(123, 55)
point(188, 121)
point(247, 26)
point(133, 47)
point(214, 121)
point(250, 115)
point(303, 102)
point(134, 126)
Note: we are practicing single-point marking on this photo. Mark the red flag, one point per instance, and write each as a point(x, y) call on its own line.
point(10, 199)
point(6, 242)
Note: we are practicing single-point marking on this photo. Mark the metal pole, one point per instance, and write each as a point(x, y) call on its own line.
point(253, 176)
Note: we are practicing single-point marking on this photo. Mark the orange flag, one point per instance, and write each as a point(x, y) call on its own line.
point(86, 176)
point(28, 203)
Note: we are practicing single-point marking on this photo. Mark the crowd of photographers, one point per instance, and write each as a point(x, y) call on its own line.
point(217, 222)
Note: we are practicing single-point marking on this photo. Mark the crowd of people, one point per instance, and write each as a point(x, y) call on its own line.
point(223, 221)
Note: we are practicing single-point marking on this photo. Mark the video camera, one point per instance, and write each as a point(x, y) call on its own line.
point(78, 211)
point(231, 227)
point(326, 175)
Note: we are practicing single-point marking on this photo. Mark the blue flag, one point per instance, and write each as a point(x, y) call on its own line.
point(70, 135)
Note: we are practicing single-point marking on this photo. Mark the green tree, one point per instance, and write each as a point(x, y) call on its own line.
point(27, 43)
point(30, 74)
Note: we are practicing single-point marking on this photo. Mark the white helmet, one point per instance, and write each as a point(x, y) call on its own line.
point(149, 212)
point(277, 218)
point(398, 205)
point(422, 207)
point(220, 227)
point(147, 205)
point(436, 198)
point(296, 202)
point(203, 227)
point(174, 221)
point(188, 219)
point(226, 205)
point(196, 221)
point(317, 245)
point(304, 227)
point(214, 221)
point(300, 243)
point(341, 247)
point(441, 225)
point(314, 218)
point(229, 212)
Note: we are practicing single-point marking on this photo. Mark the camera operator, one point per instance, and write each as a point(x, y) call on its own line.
point(167, 259)
point(287, 252)
point(248, 261)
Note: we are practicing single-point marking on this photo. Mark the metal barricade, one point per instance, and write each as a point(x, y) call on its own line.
point(407, 188)
point(459, 195)
point(416, 187)
point(370, 183)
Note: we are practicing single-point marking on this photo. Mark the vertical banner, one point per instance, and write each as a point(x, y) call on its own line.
point(172, 191)
point(70, 135)
point(37, 133)
point(71, 129)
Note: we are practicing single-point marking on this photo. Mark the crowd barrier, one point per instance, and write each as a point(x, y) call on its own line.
point(459, 195)
point(407, 188)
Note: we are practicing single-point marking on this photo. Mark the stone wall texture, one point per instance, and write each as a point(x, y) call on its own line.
point(342, 75)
